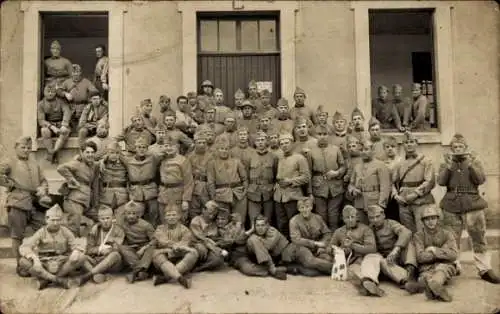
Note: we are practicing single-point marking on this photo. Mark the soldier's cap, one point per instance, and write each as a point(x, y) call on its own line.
point(207, 83)
point(247, 103)
point(349, 209)
point(408, 136)
point(113, 147)
point(265, 92)
point(286, 136)
point(239, 92)
point(93, 93)
point(223, 213)
point(260, 134)
point(191, 95)
point(133, 206)
point(160, 128)
point(55, 43)
point(141, 141)
point(171, 208)
point(416, 86)
point(252, 83)
point(299, 90)
point(103, 124)
point(45, 201)
point(242, 129)
point(430, 211)
point(396, 87)
point(301, 120)
point(54, 212)
point(373, 121)
point(24, 140)
point(230, 115)
point(265, 116)
point(104, 210)
point(146, 101)
point(210, 108)
point(458, 138)
point(164, 98)
point(321, 110)
point(352, 139)
point(212, 205)
point(375, 209)
point(222, 141)
point(205, 129)
point(390, 140)
point(199, 135)
point(50, 87)
point(382, 87)
point(304, 201)
point(135, 117)
point(357, 112)
point(282, 102)
point(338, 116)
point(366, 143)
point(76, 67)
point(218, 90)
point(260, 217)
point(169, 113)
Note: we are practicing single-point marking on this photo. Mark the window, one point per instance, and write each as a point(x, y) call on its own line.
point(402, 52)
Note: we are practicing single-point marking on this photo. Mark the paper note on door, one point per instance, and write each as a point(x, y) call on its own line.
point(265, 85)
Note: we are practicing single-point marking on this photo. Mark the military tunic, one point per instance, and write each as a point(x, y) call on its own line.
point(205, 232)
point(262, 169)
point(303, 111)
point(92, 115)
point(386, 113)
point(98, 237)
point(113, 185)
point(57, 69)
point(199, 196)
point(419, 113)
point(137, 236)
point(130, 136)
point(55, 112)
point(176, 181)
point(80, 91)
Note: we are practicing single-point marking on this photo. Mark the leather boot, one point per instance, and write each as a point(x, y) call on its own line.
point(490, 277)
point(372, 288)
point(83, 279)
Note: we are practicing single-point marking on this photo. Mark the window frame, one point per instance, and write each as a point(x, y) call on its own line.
point(443, 58)
point(32, 56)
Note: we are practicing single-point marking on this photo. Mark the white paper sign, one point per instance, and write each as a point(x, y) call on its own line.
point(265, 85)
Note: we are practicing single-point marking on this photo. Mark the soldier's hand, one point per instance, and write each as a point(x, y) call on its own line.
point(224, 253)
point(68, 96)
point(411, 197)
point(105, 86)
point(393, 256)
point(54, 129)
point(321, 250)
point(431, 249)
point(347, 251)
point(37, 264)
point(185, 206)
point(64, 129)
point(401, 200)
point(72, 183)
point(332, 174)
point(106, 250)
point(319, 244)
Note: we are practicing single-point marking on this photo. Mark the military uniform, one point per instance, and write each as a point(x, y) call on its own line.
point(101, 74)
point(91, 116)
point(113, 184)
point(339, 138)
point(302, 110)
point(130, 135)
point(378, 141)
point(80, 91)
point(242, 152)
point(55, 112)
point(385, 111)
point(199, 161)
point(57, 69)
point(419, 110)
point(357, 131)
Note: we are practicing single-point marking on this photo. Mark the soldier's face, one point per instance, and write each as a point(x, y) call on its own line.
point(301, 129)
point(169, 122)
point(243, 136)
point(322, 137)
point(322, 118)
point(102, 131)
point(431, 222)
point(261, 227)
point(106, 221)
point(200, 144)
point(209, 213)
point(210, 116)
point(137, 123)
point(141, 149)
point(113, 155)
point(160, 136)
point(458, 147)
point(54, 223)
point(265, 123)
point(99, 52)
point(353, 148)
point(182, 104)
point(55, 51)
point(192, 101)
point(252, 91)
point(299, 99)
point(247, 111)
point(358, 121)
point(339, 125)
point(265, 100)
point(219, 98)
point(390, 150)
point(261, 143)
point(22, 151)
point(131, 216)
point(170, 149)
point(210, 136)
point(223, 151)
point(88, 154)
point(95, 100)
point(238, 99)
point(416, 92)
point(376, 219)
point(230, 124)
point(49, 93)
point(273, 140)
point(222, 221)
point(207, 90)
point(375, 131)
point(147, 108)
point(286, 145)
point(397, 93)
point(350, 219)
point(367, 152)
point(171, 217)
point(282, 110)
point(383, 94)
point(410, 146)
point(305, 210)
point(76, 74)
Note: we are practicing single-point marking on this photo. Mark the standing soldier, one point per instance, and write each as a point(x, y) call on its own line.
point(227, 180)
point(328, 169)
point(300, 109)
point(206, 95)
point(139, 244)
point(94, 113)
point(284, 124)
point(102, 248)
point(174, 255)
point(179, 138)
point(376, 138)
point(195, 111)
point(253, 96)
point(274, 143)
point(310, 234)
point(261, 173)
point(76, 90)
point(26, 186)
point(134, 131)
point(158, 148)
point(176, 180)
point(414, 179)
point(292, 174)
point(142, 172)
point(54, 117)
point(267, 109)
point(199, 159)
point(57, 68)
point(402, 104)
point(356, 127)
point(248, 116)
point(221, 110)
point(463, 208)
point(239, 97)
point(419, 109)
point(338, 137)
point(392, 158)
point(385, 111)
point(370, 183)
point(242, 149)
point(101, 71)
point(322, 119)
point(113, 181)
point(80, 187)
point(230, 130)
point(210, 122)
point(52, 252)
point(183, 116)
point(164, 102)
point(303, 141)
point(353, 157)
point(145, 110)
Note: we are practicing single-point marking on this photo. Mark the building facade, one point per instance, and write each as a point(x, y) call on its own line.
point(339, 52)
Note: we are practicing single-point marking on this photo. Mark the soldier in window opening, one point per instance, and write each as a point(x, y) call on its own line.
point(414, 179)
point(402, 104)
point(284, 123)
point(419, 109)
point(134, 131)
point(54, 117)
point(395, 251)
point(206, 95)
point(356, 126)
point(262, 169)
point(57, 68)
point(101, 71)
point(374, 129)
point(180, 138)
point(300, 109)
point(197, 113)
point(310, 234)
point(76, 90)
point(248, 118)
point(230, 129)
point(385, 111)
point(92, 114)
point(463, 208)
point(242, 150)
point(101, 139)
point(328, 169)
point(338, 137)
point(227, 180)
point(221, 110)
point(113, 180)
point(199, 159)
point(27, 192)
point(210, 122)
point(80, 187)
point(142, 171)
point(145, 110)
point(175, 255)
point(139, 244)
point(292, 174)
point(102, 252)
point(370, 183)
point(176, 180)
point(184, 121)
point(52, 252)
point(322, 119)
point(267, 109)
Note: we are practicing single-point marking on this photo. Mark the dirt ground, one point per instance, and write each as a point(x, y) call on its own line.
point(228, 292)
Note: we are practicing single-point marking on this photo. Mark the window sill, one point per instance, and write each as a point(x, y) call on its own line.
point(422, 137)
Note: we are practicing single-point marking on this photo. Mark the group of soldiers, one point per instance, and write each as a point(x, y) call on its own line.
point(270, 190)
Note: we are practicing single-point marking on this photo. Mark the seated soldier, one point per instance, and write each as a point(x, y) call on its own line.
point(310, 234)
point(204, 229)
point(358, 242)
point(102, 248)
point(437, 253)
point(395, 250)
point(174, 255)
point(92, 114)
point(139, 244)
point(52, 253)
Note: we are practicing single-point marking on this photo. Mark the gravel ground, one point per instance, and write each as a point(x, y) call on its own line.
point(227, 291)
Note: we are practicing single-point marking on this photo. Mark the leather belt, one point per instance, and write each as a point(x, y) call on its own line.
point(464, 190)
point(370, 189)
point(200, 177)
point(413, 184)
point(143, 182)
point(260, 182)
point(228, 185)
point(172, 185)
point(115, 184)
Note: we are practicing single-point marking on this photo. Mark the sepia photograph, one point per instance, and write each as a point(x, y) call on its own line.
point(249, 156)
